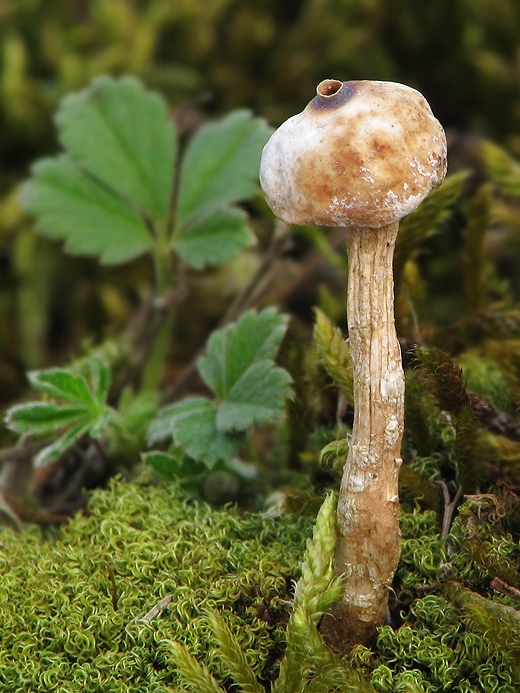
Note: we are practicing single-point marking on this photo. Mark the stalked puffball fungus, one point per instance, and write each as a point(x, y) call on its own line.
point(362, 155)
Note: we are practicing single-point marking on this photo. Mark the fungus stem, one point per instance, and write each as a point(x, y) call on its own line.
point(368, 547)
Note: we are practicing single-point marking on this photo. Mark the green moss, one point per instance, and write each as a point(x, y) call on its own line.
point(439, 647)
point(481, 549)
point(71, 607)
point(72, 604)
point(437, 650)
point(487, 380)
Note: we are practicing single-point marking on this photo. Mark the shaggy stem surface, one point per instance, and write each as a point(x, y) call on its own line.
point(368, 542)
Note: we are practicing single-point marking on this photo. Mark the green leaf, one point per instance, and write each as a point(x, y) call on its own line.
point(62, 384)
point(239, 368)
point(233, 658)
point(82, 412)
point(37, 418)
point(256, 398)
point(316, 591)
point(70, 206)
point(98, 425)
point(193, 425)
point(215, 239)
point(425, 221)
point(221, 165)
point(195, 677)
point(498, 623)
point(475, 266)
point(164, 465)
point(53, 452)
point(334, 354)
point(122, 134)
point(101, 379)
point(503, 169)
point(160, 428)
point(231, 351)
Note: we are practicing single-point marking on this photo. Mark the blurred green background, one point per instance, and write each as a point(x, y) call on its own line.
point(207, 57)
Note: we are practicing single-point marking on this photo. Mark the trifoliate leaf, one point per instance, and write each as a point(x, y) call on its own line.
point(121, 134)
point(215, 239)
point(221, 165)
point(71, 206)
point(193, 425)
point(231, 351)
point(239, 367)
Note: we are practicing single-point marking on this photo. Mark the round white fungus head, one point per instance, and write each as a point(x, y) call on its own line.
point(361, 154)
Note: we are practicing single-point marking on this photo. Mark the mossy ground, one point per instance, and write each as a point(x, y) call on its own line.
point(70, 606)
point(71, 603)
point(437, 646)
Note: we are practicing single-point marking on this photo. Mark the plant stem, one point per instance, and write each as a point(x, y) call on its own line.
point(368, 546)
point(163, 317)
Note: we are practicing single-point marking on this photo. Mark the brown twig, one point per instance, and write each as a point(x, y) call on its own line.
point(157, 609)
point(449, 508)
point(23, 449)
point(501, 586)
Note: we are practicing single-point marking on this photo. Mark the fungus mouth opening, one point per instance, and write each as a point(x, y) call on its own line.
point(331, 93)
point(329, 87)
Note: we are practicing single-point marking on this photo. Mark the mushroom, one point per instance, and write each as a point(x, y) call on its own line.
point(362, 155)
